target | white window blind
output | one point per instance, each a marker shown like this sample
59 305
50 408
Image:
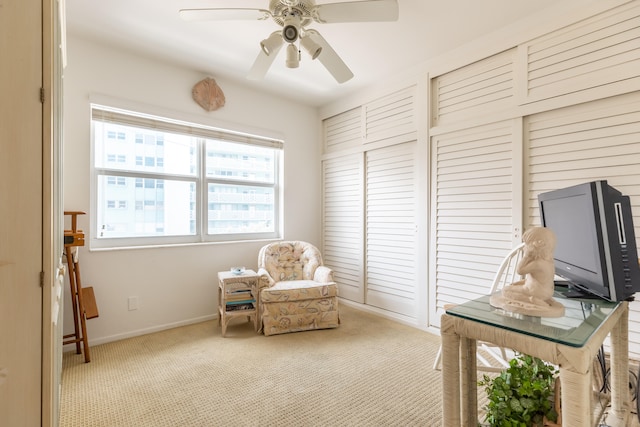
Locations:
145 121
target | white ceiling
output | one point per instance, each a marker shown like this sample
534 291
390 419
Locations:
425 29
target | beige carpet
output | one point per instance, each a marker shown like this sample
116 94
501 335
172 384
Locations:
368 372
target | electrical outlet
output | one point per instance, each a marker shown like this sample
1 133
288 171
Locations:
133 303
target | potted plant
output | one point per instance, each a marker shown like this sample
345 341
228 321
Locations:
522 395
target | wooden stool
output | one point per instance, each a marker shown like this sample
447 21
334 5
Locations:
83 300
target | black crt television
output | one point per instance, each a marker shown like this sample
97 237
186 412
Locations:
596 244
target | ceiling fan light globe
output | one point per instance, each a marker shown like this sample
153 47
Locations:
293 56
271 44
290 33
312 48
291 29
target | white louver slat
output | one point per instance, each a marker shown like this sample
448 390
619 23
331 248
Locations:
598 140
391 117
601 50
343 130
391 240
477 89
343 223
473 211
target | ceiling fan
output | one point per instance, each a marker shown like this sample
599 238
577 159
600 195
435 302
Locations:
294 16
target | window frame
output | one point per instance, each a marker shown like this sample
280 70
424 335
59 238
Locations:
133 117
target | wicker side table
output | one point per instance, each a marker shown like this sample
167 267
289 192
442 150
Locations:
247 283
460 330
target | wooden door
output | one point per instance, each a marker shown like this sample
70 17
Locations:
21 212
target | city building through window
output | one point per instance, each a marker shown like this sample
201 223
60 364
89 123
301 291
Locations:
159 181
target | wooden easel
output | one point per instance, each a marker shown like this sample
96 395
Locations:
83 300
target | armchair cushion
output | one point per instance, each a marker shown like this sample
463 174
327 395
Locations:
292 260
297 290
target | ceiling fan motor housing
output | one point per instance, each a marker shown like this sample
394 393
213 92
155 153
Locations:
280 10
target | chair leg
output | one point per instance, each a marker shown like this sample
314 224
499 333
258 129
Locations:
436 364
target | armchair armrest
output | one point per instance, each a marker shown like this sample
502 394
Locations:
266 281
323 274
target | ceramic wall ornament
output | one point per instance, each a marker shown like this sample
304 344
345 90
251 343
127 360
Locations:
208 94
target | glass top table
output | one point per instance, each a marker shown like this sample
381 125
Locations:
571 342
581 319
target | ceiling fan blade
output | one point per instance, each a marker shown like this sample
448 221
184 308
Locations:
224 14
356 11
262 64
330 59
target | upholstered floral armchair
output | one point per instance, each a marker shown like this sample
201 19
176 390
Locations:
298 292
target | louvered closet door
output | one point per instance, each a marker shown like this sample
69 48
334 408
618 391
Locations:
391 244
601 50
598 140
391 117
474 201
343 223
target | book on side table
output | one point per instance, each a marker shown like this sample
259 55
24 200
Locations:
237 296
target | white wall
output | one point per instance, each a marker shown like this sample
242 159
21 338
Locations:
174 285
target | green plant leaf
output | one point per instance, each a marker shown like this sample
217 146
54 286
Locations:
520 395
515 405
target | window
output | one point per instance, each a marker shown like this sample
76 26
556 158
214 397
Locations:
189 183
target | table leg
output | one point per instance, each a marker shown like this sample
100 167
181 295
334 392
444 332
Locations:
469 378
620 365
220 304
576 398
74 302
450 373
256 297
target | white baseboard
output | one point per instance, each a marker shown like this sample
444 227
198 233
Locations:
405 320
145 331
